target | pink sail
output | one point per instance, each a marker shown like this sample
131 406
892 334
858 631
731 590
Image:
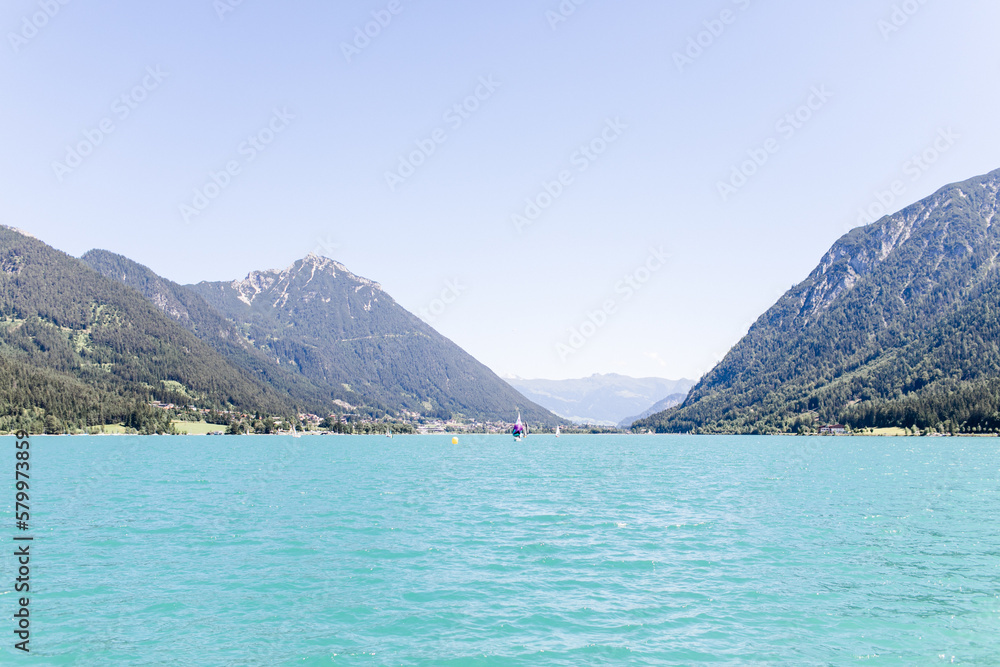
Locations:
518 426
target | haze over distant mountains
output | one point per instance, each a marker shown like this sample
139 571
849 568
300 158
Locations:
93 340
899 325
661 405
601 399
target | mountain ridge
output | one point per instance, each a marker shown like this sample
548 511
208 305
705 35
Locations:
325 336
98 339
64 326
897 314
338 328
195 314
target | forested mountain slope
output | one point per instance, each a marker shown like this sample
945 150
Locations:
897 326
341 330
96 351
228 338
94 340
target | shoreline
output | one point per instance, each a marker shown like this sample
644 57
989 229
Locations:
470 434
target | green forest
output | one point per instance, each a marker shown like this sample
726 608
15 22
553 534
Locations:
97 341
897 327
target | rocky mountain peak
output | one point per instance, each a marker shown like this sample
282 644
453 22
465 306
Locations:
315 263
923 228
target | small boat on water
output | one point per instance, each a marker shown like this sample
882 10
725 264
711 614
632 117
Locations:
557 430
388 432
520 430
294 433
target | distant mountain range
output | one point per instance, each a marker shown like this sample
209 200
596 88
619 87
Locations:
600 399
94 340
899 326
668 402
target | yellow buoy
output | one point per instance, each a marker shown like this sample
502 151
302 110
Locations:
454 441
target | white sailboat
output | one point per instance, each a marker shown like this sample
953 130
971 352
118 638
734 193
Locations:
557 430
295 434
388 432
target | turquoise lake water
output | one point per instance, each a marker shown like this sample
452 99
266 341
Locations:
582 550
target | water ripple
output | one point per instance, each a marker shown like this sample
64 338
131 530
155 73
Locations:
587 550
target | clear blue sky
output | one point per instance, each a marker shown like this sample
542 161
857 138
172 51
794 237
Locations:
668 131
